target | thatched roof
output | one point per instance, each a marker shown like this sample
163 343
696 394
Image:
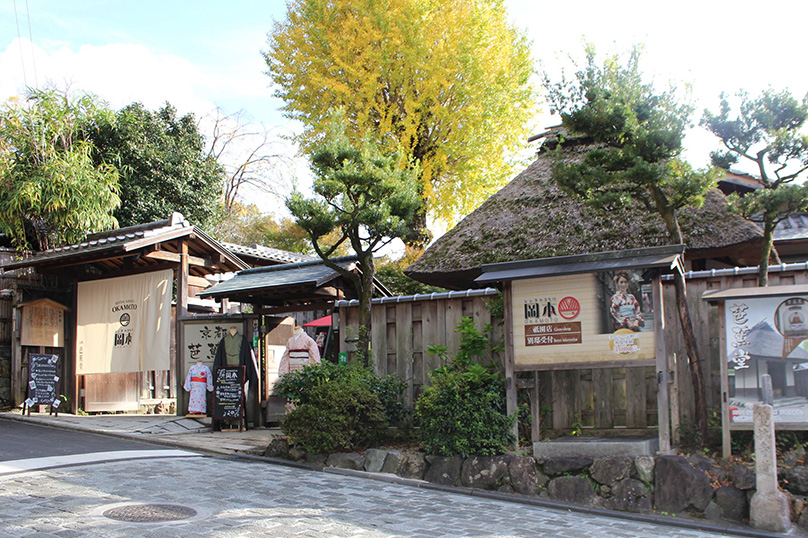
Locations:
532 218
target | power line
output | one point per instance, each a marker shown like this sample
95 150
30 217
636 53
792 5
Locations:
19 39
31 40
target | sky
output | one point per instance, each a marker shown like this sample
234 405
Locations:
201 54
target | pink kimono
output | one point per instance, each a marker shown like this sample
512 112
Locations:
301 350
197 382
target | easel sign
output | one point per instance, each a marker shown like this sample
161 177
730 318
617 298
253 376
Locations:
43 383
228 396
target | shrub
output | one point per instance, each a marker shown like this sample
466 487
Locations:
342 414
298 386
463 411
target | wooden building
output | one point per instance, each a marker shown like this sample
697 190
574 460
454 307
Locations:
183 253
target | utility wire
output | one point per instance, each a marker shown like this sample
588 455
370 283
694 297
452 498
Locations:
31 40
19 39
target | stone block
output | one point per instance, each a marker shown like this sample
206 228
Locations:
346 460
555 466
572 489
679 486
485 472
525 476
374 460
444 470
609 471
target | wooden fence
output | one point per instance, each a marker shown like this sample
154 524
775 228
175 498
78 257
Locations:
604 399
403 328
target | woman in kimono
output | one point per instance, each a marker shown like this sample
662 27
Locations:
624 307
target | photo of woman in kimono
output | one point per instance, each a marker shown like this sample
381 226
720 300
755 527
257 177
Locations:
624 307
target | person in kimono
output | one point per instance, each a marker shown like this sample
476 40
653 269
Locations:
300 351
198 383
624 307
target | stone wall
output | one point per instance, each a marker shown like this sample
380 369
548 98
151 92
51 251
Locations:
667 484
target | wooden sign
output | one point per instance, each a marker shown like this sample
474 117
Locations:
43 382
43 323
228 395
568 321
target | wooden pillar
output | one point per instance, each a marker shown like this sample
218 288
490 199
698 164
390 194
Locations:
180 312
663 410
726 437
510 364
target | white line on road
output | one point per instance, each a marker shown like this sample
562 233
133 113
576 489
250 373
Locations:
34 464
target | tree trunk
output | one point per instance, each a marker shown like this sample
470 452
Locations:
696 371
682 308
418 236
765 252
365 307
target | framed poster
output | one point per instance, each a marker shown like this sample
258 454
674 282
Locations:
767 335
590 318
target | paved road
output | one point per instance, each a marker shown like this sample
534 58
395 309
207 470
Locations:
19 440
233 498
25 447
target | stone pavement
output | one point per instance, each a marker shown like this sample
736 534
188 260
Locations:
225 497
253 496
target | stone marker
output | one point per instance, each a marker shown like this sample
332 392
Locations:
769 509
766 388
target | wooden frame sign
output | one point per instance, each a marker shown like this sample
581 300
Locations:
599 319
43 383
229 402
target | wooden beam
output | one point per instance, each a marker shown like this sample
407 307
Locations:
293 308
198 281
162 255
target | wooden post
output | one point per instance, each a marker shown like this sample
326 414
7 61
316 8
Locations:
535 409
663 411
726 436
180 312
510 374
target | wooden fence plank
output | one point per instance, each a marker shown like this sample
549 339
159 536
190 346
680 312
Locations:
636 416
404 348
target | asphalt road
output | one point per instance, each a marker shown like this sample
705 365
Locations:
19 440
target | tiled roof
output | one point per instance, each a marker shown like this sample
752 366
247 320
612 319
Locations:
313 273
126 240
268 253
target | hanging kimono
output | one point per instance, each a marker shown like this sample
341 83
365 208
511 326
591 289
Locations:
197 382
301 350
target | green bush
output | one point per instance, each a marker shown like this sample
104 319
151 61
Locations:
298 386
463 411
340 415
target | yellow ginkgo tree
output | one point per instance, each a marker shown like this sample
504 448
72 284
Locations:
447 81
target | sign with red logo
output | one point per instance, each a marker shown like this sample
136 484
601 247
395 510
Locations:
569 307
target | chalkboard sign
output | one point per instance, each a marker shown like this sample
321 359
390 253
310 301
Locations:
43 381
228 394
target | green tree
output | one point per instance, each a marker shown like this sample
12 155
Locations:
446 80
51 191
164 166
638 133
370 198
247 225
391 273
765 131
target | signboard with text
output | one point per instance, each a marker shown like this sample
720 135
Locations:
584 318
